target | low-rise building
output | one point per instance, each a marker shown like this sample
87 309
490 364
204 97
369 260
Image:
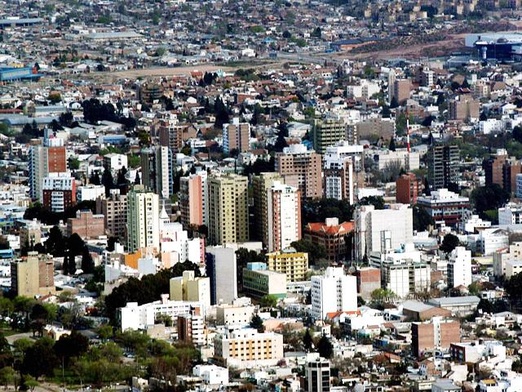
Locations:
258 281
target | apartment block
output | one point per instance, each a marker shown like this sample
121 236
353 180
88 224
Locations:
191 288
333 292
284 216
261 185
227 209
192 200
142 219
408 188
443 166
332 235
58 192
435 334
258 281
301 168
236 136
114 210
327 132
33 275
289 262
86 225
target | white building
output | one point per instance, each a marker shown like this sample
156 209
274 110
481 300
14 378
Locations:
459 267
502 256
381 230
59 187
318 375
284 216
175 240
211 375
333 292
134 316
492 240
403 158
341 164
90 192
247 347
404 277
234 314
511 214
222 271
115 162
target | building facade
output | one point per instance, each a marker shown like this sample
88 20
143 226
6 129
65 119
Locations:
114 210
301 168
289 262
227 209
284 216
443 166
333 292
86 225
142 219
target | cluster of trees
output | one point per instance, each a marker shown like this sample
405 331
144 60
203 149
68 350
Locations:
146 290
318 210
487 199
107 180
47 217
95 111
66 247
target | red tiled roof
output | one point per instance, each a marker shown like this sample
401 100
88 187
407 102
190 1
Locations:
322 228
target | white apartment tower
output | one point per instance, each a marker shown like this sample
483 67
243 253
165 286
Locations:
284 216
382 230
343 171
142 219
333 292
459 267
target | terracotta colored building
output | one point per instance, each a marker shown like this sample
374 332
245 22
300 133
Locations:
332 235
368 280
86 225
432 335
409 187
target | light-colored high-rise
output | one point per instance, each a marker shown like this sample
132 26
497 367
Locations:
236 136
333 292
51 157
459 267
261 184
142 219
227 209
381 230
284 216
191 288
301 168
293 264
343 171
221 265
33 275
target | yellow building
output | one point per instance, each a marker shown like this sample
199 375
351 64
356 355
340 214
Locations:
293 264
33 275
227 209
191 288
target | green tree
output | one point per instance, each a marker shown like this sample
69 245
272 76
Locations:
489 197
325 347
40 359
257 323
315 252
268 301
308 342
422 220
449 242
7 375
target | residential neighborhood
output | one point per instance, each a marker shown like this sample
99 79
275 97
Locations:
242 196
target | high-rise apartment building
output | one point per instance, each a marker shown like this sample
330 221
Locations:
501 169
284 216
50 157
408 188
261 184
464 107
33 275
236 136
192 199
333 292
318 375
343 171
157 169
381 230
443 166
301 168
227 209
142 219
58 192
459 267
221 266
191 288
114 210
401 90
327 132
288 261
